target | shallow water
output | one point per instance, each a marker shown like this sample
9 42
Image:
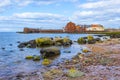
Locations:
12 60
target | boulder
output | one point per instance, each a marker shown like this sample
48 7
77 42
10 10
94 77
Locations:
29 57
58 44
36 58
64 41
97 39
67 41
91 41
29 44
46 41
58 40
49 52
43 42
46 62
81 41
22 45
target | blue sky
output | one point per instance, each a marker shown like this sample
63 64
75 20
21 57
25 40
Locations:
54 14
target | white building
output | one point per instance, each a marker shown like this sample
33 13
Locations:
95 27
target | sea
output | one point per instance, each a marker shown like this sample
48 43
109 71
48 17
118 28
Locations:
12 59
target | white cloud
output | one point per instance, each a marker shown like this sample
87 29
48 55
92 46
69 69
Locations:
115 19
85 13
101 4
40 2
106 12
36 19
24 3
4 3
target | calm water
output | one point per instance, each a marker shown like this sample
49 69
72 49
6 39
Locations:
14 62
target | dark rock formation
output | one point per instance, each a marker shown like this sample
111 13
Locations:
49 52
40 42
29 44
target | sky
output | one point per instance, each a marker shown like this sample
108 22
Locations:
55 14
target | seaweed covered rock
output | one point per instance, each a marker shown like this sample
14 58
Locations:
34 57
49 52
85 50
29 57
46 41
90 39
46 62
113 34
58 40
67 41
62 41
43 42
81 41
75 73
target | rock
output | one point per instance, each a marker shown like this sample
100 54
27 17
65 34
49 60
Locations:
67 51
29 44
91 41
67 41
85 50
58 44
81 41
75 73
97 39
40 42
90 38
99 35
36 58
75 41
49 52
29 57
22 45
84 37
46 62
58 40
43 42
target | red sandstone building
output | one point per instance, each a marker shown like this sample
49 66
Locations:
70 27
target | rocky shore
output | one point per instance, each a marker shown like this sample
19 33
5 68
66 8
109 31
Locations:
101 62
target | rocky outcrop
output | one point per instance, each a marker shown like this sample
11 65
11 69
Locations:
29 44
89 39
40 42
